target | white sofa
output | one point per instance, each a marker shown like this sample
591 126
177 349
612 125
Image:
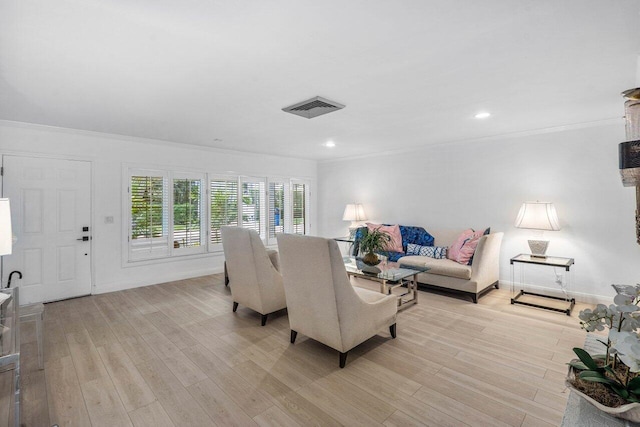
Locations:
473 279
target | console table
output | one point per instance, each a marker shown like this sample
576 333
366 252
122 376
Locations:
517 288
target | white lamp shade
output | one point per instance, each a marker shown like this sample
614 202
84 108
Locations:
538 216
354 212
5 227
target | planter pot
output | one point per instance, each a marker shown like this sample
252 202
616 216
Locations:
371 259
629 412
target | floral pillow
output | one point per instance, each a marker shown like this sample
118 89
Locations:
395 245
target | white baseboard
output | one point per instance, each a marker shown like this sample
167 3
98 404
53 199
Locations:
178 275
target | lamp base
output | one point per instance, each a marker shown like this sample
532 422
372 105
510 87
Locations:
538 248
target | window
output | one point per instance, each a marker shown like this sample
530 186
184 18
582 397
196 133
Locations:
175 213
253 205
224 207
279 210
187 213
149 225
300 221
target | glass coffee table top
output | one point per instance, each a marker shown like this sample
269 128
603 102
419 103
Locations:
390 271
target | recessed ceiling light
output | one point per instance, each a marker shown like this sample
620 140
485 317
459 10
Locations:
482 115
329 144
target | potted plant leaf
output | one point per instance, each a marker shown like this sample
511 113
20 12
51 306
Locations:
611 381
371 242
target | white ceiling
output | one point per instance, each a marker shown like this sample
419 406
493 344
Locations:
413 72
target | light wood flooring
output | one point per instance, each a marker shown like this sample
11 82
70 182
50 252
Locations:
175 355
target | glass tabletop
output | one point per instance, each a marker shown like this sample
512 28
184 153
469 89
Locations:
390 271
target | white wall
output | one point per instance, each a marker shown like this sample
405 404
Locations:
483 183
108 154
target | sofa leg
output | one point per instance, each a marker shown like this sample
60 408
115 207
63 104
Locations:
497 285
294 334
475 298
264 319
392 330
343 359
235 306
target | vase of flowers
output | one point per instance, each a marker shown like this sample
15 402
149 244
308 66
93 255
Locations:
611 381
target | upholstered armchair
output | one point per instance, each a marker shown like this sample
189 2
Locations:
254 279
321 302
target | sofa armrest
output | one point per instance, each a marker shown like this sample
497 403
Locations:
485 269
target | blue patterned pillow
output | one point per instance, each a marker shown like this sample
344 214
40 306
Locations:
437 252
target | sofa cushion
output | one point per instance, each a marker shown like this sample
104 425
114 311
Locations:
454 250
393 231
442 267
465 254
415 235
437 252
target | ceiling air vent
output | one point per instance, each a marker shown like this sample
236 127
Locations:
313 107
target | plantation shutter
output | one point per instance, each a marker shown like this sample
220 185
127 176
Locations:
279 209
224 207
188 213
253 205
149 214
299 195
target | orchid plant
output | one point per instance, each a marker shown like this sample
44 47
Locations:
622 318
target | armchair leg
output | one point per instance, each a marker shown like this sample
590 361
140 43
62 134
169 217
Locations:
392 330
235 306
264 319
294 334
343 359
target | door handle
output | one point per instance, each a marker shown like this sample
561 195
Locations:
84 239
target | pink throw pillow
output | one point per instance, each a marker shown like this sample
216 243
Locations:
395 245
454 249
469 247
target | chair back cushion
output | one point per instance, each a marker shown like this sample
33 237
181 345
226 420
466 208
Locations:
253 279
314 280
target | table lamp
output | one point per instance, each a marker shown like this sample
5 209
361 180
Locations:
354 212
538 216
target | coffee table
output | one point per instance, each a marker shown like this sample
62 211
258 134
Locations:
391 276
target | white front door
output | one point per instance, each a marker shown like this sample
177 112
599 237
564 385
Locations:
50 214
